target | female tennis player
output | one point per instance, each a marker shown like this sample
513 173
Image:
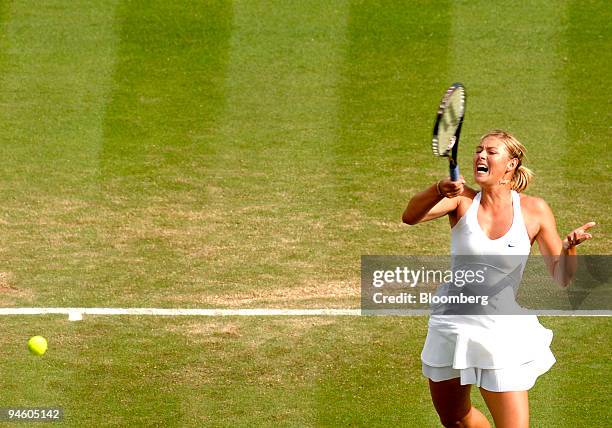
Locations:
502 355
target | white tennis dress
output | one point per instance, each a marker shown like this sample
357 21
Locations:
496 352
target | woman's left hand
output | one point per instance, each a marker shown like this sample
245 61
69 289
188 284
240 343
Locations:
578 236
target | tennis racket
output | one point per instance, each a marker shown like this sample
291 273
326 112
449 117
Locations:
447 128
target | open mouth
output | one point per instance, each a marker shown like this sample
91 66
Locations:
482 168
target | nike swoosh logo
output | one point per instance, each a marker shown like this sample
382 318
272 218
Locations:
511 245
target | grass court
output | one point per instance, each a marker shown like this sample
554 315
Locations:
245 154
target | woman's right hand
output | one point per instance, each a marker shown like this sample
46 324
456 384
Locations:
437 200
451 189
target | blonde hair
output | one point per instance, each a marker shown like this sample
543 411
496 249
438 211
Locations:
522 175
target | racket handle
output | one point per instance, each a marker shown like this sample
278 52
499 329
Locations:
454 173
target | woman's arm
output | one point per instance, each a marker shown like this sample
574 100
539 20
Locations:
435 201
558 254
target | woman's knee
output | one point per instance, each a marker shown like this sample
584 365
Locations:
473 418
456 421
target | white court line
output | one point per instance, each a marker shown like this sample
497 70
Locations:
76 314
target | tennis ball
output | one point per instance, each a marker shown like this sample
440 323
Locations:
37 345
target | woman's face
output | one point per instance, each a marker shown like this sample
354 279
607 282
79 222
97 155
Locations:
491 161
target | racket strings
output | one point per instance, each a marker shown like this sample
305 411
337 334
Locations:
450 114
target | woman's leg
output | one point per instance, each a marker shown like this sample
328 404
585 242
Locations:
452 402
509 409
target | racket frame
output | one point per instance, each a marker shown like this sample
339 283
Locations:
451 150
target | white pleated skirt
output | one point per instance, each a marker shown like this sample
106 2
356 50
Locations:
521 378
504 354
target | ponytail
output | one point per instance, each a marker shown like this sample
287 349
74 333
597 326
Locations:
521 178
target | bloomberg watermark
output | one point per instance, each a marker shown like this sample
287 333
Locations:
485 285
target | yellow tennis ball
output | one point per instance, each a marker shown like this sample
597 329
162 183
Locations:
37 345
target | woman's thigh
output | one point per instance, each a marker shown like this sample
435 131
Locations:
509 409
451 399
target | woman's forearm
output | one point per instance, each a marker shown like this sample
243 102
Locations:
421 204
566 265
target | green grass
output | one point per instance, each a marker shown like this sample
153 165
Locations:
240 371
246 154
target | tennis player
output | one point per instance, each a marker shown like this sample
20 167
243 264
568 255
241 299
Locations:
502 355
